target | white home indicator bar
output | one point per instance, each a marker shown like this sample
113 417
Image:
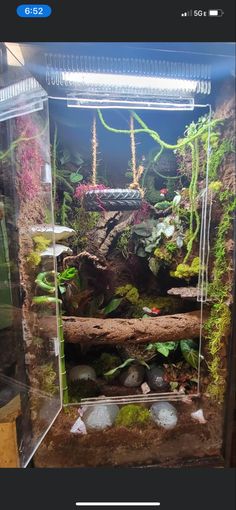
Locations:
120 504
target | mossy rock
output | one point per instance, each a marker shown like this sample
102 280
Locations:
132 415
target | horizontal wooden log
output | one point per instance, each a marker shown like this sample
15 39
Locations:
165 328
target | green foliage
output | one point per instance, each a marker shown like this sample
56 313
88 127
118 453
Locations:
123 242
119 367
65 207
129 292
162 205
215 186
218 323
163 348
105 363
132 415
66 276
163 254
171 247
217 155
186 271
41 243
33 259
75 177
190 352
82 222
47 379
112 306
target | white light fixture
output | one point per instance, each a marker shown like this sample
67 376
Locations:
124 104
130 82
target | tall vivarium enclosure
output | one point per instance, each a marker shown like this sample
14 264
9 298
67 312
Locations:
117 205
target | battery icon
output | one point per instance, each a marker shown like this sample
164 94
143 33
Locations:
215 12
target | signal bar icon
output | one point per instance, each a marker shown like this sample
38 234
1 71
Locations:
187 13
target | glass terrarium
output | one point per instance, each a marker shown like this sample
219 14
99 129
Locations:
125 250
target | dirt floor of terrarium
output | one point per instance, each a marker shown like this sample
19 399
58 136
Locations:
189 443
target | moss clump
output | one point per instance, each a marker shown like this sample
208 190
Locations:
47 379
82 223
132 415
215 186
123 242
105 363
84 388
129 292
41 243
186 271
163 255
33 259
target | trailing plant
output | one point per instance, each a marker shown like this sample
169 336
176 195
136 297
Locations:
163 348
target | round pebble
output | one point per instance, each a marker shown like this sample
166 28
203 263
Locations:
100 416
155 378
133 376
82 372
164 415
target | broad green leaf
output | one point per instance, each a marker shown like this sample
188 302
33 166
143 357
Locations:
190 352
125 364
113 305
165 347
154 265
75 177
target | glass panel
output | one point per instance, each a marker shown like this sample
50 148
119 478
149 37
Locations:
29 366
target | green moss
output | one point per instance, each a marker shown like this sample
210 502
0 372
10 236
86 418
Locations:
83 222
47 379
215 186
41 243
129 292
217 326
34 259
132 415
163 255
84 388
186 271
123 242
217 156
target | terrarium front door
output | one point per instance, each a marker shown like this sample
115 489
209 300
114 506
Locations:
30 394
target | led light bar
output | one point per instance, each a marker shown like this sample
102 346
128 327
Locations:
147 104
117 81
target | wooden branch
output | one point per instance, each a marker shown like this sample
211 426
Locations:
166 328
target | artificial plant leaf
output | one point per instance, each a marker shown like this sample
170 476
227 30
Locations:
169 230
76 177
179 242
125 364
176 199
144 229
62 289
190 352
165 347
154 265
146 316
141 252
112 305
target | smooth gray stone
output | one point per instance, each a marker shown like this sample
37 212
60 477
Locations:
133 376
155 378
164 415
100 416
82 372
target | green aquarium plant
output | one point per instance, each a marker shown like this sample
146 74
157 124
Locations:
186 271
132 415
163 348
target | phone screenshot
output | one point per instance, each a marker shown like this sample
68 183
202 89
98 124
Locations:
117 256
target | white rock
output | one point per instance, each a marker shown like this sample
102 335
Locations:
78 427
198 416
82 372
48 231
164 415
59 249
100 416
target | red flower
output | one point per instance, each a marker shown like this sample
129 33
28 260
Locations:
157 311
164 191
